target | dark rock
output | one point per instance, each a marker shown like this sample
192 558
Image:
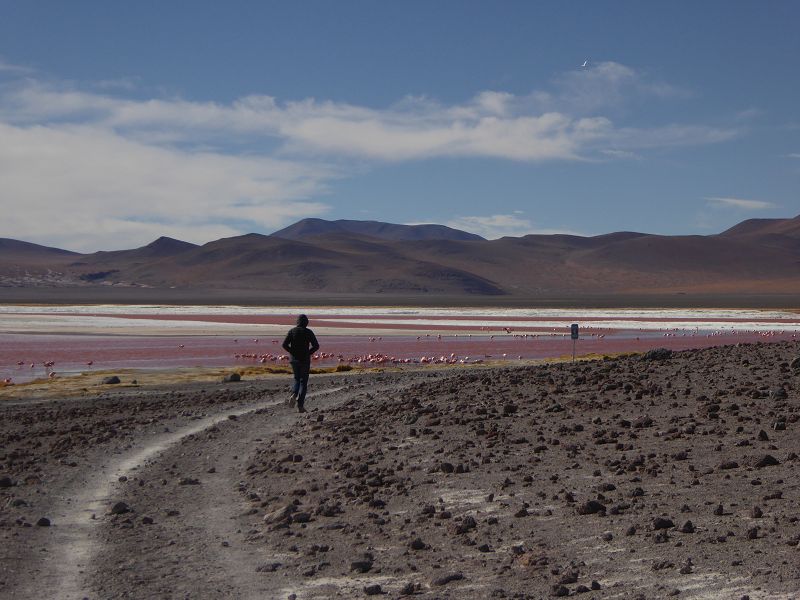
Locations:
591 507
795 364
301 517
408 589
147 520
120 508
188 481
362 566
417 544
232 378
719 510
729 464
569 577
687 527
468 523
43 522
662 523
447 467
113 380
560 590
756 512
445 579
766 461
373 590
6 482
657 354
778 394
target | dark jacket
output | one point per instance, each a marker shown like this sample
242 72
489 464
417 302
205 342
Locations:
301 343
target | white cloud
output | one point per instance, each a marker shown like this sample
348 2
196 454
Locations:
86 188
87 170
740 203
793 155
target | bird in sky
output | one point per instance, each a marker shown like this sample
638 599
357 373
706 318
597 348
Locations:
585 64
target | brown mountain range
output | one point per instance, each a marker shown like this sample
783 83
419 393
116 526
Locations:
373 260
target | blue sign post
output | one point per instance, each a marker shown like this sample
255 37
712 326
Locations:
574 332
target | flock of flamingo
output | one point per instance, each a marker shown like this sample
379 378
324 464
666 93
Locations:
379 358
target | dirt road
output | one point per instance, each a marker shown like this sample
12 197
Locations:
674 475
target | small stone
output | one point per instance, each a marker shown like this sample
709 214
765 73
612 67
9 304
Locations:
688 527
112 380
662 523
445 579
120 508
752 533
188 481
373 590
756 512
766 461
719 510
5 482
147 520
301 517
560 590
417 544
569 577
43 522
591 507
362 566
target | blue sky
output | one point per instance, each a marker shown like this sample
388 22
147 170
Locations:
121 122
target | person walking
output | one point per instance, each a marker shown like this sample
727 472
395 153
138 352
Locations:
300 343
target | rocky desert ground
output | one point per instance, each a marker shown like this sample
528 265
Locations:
670 474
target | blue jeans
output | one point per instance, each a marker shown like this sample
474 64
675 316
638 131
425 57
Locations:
300 370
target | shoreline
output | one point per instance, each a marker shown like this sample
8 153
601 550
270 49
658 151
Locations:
216 297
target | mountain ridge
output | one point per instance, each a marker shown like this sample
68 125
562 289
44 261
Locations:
752 257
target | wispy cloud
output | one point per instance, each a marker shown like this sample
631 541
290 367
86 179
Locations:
14 69
496 226
493 226
621 154
793 155
739 203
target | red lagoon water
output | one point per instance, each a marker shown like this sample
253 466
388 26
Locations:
23 357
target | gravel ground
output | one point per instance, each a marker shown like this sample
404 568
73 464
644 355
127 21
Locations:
655 476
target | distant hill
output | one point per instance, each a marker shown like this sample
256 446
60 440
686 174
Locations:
308 228
760 227
317 258
9 249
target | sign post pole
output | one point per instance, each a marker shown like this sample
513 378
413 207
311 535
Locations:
574 334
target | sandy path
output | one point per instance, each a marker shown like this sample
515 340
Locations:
83 511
